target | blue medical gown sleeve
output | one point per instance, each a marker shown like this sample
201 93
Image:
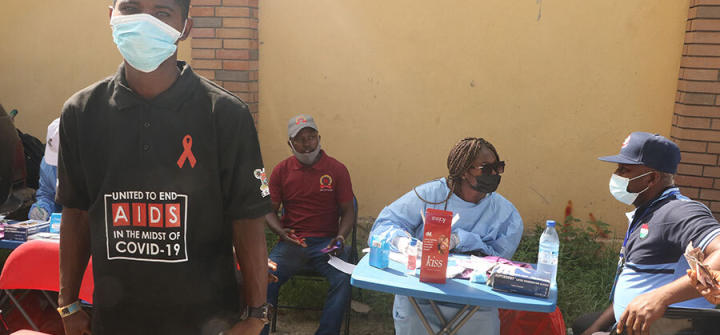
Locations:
498 238
403 215
45 196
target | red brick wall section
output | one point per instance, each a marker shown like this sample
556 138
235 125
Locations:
696 121
224 43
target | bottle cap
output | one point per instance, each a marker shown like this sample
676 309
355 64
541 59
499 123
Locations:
413 242
550 223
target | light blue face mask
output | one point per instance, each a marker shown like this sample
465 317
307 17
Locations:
143 40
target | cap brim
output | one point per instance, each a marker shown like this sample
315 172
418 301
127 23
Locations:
619 160
51 156
298 130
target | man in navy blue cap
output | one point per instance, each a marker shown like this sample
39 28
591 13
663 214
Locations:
651 270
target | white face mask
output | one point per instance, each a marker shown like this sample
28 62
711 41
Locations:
144 41
308 158
618 188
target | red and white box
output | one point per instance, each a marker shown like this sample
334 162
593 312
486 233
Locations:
436 246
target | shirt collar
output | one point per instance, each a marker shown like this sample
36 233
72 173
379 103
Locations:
321 164
661 197
652 202
172 98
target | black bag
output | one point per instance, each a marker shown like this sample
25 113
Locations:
34 153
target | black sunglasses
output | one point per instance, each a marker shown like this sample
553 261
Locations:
487 168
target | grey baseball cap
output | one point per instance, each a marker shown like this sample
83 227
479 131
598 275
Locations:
299 122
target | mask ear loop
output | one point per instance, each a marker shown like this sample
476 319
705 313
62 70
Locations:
184 27
642 175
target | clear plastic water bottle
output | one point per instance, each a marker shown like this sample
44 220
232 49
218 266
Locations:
549 252
412 256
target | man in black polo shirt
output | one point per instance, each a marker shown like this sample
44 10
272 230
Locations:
651 272
157 175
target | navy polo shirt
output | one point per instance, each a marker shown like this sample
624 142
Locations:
162 181
661 230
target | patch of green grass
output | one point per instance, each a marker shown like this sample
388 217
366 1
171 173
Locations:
586 268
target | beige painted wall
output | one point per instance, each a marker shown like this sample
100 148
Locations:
394 84
51 49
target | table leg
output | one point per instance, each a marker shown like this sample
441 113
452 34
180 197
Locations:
447 325
51 301
7 296
4 298
464 320
437 312
421 316
22 311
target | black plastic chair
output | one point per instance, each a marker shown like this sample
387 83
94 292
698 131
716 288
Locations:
309 273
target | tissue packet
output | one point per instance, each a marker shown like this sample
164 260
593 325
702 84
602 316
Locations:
55 222
379 252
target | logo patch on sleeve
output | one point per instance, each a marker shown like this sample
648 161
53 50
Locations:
146 226
264 188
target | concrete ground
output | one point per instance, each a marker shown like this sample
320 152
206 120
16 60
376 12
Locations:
292 322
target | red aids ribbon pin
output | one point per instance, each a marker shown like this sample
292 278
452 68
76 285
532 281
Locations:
187 153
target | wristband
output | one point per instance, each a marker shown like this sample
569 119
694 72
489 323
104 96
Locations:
69 309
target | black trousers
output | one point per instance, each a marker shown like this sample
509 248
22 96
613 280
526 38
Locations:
583 322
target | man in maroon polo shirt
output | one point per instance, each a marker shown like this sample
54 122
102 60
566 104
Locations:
316 193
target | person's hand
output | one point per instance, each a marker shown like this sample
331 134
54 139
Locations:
454 241
339 239
711 294
272 266
640 314
249 326
38 213
289 235
402 244
77 324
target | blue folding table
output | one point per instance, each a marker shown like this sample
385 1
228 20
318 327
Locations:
10 244
460 291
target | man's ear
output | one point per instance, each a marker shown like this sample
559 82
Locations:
110 11
655 178
188 28
290 144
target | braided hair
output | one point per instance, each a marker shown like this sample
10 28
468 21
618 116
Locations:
459 161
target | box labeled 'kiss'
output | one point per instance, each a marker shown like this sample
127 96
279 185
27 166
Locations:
436 246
